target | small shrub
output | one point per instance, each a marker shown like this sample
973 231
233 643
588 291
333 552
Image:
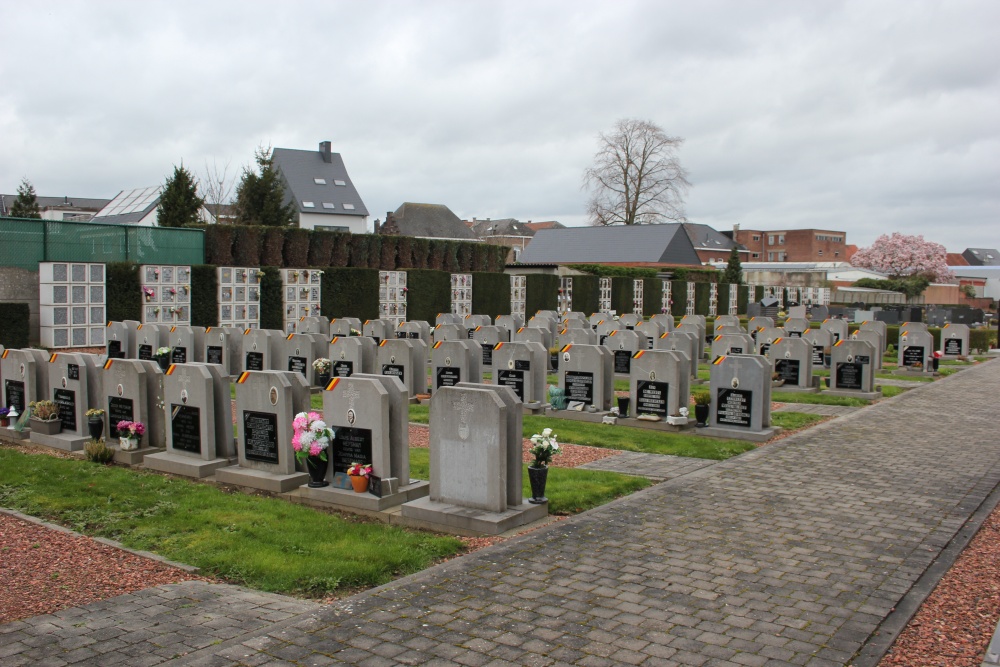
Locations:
701 398
98 451
45 410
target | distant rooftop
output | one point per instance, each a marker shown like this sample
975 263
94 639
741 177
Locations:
130 205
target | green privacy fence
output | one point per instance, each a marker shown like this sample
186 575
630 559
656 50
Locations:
25 243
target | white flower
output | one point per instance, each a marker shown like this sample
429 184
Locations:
318 425
546 433
307 438
555 446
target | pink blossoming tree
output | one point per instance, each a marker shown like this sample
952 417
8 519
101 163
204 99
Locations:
900 255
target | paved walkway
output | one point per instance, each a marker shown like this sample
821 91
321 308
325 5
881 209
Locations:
793 554
659 467
817 409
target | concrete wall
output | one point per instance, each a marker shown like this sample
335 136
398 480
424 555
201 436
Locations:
786 278
21 286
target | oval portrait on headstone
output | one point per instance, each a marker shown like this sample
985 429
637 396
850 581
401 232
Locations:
392 359
64 383
788 354
447 361
735 383
297 353
254 346
22 371
566 357
652 375
273 395
184 396
121 390
350 417
510 363
343 355
850 358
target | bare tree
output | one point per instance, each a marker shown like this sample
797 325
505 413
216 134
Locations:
217 188
637 177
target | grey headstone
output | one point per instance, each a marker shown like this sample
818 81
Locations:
448 318
186 344
69 389
877 342
726 320
296 355
821 341
837 328
797 312
266 403
586 374
698 332
473 321
533 334
660 382
629 320
314 325
604 327
399 425
357 409
146 341
259 349
955 340
349 355
916 349
792 361
623 344
21 383
740 387
759 321
455 361
378 330
728 343
400 358
665 319
510 322
513 447
796 326
651 329
450 331
876 325
766 337
223 346
117 340
488 337
680 341
342 326
819 313
852 367
522 367
197 412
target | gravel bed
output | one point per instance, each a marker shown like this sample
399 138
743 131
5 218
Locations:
45 570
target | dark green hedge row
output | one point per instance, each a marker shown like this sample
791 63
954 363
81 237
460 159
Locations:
348 292
14 330
242 245
490 294
678 293
702 297
652 296
428 293
272 315
123 291
621 295
696 275
605 271
743 299
542 293
586 294
722 305
204 297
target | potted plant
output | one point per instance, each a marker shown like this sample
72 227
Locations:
95 423
45 418
776 380
543 447
702 401
310 440
129 434
359 474
162 357
4 417
554 358
321 367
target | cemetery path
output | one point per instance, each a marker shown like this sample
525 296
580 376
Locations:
797 553
658 467
817 409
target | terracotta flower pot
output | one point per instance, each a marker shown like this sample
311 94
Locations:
360 483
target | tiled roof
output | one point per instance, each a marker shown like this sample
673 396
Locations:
430 221
309 179
656 244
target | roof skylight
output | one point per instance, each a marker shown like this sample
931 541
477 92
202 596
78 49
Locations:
308 204
349 207
340 182
319 181
327 204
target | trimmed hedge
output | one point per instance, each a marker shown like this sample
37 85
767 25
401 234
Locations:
722 305
124 291
218 244
296 250
429 293
272 314
491 294
14 328
273 249
696 275
204 296
702 297
350 292
742 299
387 254
605 271
621 295
247 245
679 294
542 293
421 249
652 296
341 253
321 248
586 294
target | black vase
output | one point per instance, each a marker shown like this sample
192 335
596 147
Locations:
96 427
701 414
323 379
537 478
624 402
316 467
554 362
164 362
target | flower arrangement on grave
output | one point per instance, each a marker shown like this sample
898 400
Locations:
304 292
186 288
355 332
544 446
316 307
148 292
177 310
4 416
321 365
95 412
156 272
359 470
45 411
305 275
260 275
162 352
129 433
173 290
156 310
311 438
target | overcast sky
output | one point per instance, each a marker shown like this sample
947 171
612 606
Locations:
869 117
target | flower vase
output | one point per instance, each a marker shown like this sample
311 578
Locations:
360 483
96 427
124 443
701 414
323 378
537 477
164 362
316 466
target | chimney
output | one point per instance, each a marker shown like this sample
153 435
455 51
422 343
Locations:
736 226
326 151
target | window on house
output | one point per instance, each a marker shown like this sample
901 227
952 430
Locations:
327 204
756 255
308 204
756 237
349 207
770 256
770 239
319 181
781 257
781 239
820 253
339 183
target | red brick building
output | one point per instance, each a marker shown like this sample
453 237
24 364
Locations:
793 245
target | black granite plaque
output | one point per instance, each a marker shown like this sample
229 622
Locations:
145 352
213 354
513 379
522 365
794 334
817 355
14 395
579 386
862 358
913 356
623 361
447 376
849 376
787 370
836 337
764 348
343 369
351 445
72 371
734 407
394 370
179 355
119 409
487 354
415 334
260 432
601 339
375 485
735 350
66 400
400 334
376 339
298 365
255 361
953 346
472 333
651 397
115 350
185 426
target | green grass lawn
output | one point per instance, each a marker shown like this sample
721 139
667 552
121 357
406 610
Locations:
890 391
817 399
794 420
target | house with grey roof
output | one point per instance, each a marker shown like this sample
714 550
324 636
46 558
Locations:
138 208
505 231
711 245
76 209
634 245
317 183
427 221
982 256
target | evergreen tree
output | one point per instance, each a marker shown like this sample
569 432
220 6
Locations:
733 275
26 203
260 196
180 204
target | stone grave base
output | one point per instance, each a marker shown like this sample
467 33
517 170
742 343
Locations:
791 388
852 393
134 457
739 433
536 408
661 425
581 416
258 479
185 466
448 518
9 432
905 373
332 497
68 442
